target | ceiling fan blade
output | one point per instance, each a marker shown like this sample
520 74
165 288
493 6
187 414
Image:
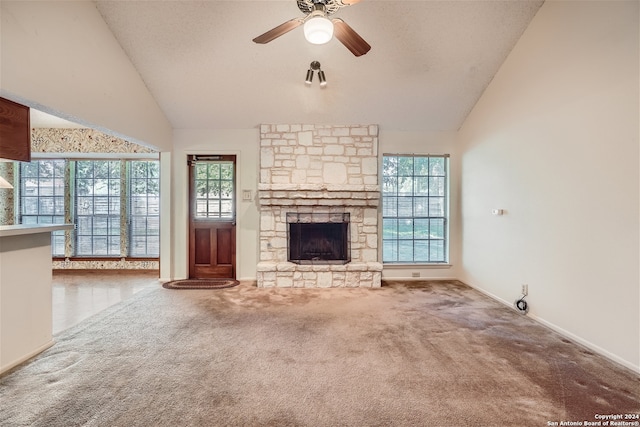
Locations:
278 31
348 37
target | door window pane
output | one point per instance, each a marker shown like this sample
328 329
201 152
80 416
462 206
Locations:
214 188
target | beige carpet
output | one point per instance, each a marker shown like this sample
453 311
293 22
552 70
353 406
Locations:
432 355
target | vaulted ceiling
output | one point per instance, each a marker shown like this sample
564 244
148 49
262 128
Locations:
430 60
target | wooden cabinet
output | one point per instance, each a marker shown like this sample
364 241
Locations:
15 131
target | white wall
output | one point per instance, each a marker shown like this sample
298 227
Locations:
244 144
166 230
60 57
406 142
554 142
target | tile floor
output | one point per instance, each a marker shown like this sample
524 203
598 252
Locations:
80 294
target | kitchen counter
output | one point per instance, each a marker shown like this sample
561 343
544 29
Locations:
25 291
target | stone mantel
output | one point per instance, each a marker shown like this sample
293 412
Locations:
318 187
318 195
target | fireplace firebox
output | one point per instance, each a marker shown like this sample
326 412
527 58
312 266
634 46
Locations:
318 238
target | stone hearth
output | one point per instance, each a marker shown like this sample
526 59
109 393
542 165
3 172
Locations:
319 171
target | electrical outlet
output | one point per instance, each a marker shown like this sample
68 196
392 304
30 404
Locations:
525 290
415 274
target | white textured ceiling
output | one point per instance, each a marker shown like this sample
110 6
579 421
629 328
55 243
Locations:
430 60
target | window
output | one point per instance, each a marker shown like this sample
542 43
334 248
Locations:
42 197
214 189
144 209
98 195
97 203
414 209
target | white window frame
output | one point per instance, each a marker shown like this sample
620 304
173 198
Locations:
415 218
69 238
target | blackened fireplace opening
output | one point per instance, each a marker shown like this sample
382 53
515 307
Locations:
318 241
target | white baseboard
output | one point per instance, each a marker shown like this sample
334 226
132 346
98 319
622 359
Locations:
587 344
566 334
418 279
26 357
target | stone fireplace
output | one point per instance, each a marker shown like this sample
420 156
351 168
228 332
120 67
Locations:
319 192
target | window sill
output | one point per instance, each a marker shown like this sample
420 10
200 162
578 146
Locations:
401 266
59 258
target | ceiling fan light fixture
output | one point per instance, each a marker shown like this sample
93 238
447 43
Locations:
318 30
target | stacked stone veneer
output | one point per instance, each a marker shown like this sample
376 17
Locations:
319 170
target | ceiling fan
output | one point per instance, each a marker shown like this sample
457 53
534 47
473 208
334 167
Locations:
319 29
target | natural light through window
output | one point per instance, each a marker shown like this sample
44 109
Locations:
144 208
42 197
114 203
214 189
97 187
414 208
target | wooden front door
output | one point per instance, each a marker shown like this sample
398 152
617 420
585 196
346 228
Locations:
212 217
